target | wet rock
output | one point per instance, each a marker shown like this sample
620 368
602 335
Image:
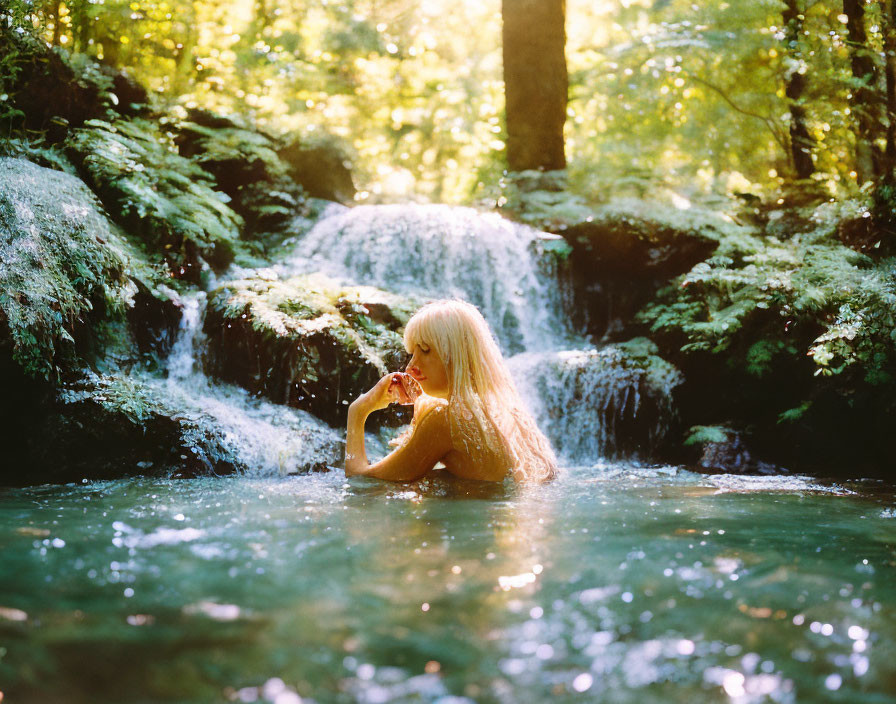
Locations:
244 163
321 166
722 449
55 90
108 427
62 266
625 251
154 317
614 401
305 341
156 195
104 426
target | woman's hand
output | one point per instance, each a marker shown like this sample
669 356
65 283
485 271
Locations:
387 390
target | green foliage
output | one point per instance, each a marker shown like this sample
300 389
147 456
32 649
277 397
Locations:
10 61
119 394
37 152
643 354
761 300
59 263
662 94
223 145
792 415
693 95
704 434
156 194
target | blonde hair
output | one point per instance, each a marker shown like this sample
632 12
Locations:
487 416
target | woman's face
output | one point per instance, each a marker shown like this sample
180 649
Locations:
427 368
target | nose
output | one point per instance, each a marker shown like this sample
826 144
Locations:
412 370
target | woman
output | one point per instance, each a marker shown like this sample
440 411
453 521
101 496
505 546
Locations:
469 416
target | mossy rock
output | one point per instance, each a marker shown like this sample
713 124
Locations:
646 240
321 165
721 449
624 252
244 164
63 266
103 426
305 341
157 195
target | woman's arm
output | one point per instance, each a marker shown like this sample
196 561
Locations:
429 442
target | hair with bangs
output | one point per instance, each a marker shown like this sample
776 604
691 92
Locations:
486 414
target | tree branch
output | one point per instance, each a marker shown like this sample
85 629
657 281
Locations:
770 123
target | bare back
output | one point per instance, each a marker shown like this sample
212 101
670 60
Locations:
473 455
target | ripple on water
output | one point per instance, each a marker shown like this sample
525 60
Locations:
615 582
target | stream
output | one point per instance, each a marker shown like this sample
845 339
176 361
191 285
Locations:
622 581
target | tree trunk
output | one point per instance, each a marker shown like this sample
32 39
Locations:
57 23
888 26
535 82
865 104
801 140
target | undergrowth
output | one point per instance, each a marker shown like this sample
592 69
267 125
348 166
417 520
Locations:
164 199
806 304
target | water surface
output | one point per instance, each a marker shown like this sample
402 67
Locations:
615 584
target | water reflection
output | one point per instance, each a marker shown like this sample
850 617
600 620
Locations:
616 583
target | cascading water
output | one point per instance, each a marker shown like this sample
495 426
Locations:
226 421
439 251
595 402
592 403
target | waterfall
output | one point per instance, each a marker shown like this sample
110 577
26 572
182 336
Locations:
440 251
596 403
592 403
225 423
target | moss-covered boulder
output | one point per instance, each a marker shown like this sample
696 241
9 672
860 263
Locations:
63 266
102 426
321 165
625 251
305 341
717 448
165 200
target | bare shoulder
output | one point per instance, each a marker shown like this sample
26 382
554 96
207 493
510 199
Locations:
429 405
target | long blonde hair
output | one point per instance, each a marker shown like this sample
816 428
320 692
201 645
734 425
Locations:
487 416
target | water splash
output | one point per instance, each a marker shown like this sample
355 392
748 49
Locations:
227 424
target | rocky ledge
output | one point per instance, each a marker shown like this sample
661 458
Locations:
305 341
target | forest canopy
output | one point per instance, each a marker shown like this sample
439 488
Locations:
696 96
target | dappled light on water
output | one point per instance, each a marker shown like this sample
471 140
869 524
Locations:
618 581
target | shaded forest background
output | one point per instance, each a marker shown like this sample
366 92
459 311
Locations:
698 97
